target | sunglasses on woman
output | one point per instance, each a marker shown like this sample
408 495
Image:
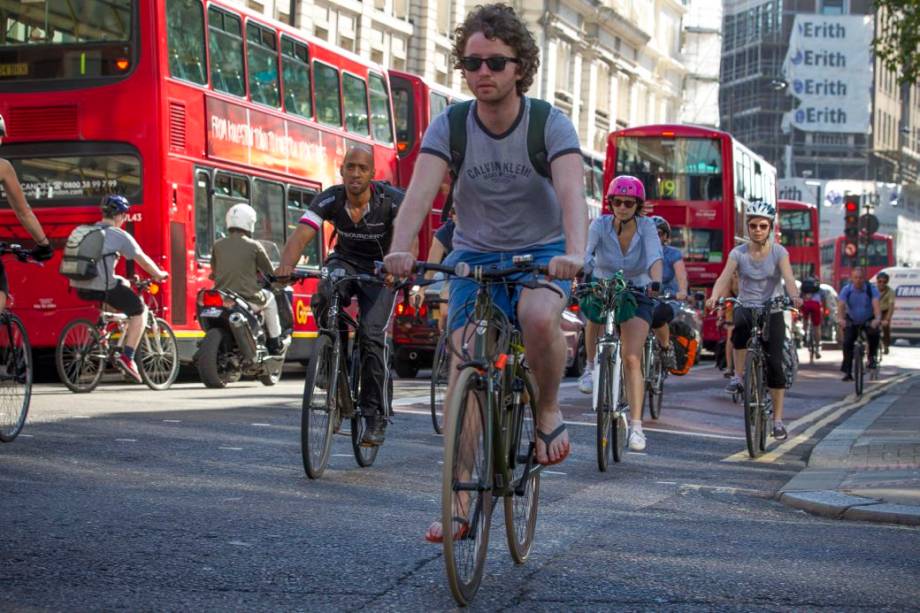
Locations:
621 202
759 226
496 63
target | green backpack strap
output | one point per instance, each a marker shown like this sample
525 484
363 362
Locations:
536 136
456 123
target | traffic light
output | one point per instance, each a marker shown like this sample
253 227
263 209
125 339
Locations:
851 225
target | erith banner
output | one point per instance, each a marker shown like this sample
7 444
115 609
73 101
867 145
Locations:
829 71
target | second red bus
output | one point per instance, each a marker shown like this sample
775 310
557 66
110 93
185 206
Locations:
797 229
836 265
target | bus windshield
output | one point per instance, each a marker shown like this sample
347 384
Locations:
672 168
795 229
60 39
876 255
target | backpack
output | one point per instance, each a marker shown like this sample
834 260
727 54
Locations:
686 346
536 142
83 252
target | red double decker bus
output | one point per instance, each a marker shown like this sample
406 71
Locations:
836 265
187 108
797 229
700 181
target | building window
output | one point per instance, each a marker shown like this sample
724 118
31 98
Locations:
225 35
444 7
185 32
564 72
832 7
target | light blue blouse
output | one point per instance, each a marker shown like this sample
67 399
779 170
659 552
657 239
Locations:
603 257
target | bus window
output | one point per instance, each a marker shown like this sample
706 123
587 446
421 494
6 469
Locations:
263 65
202 215
185 32
405 121
268 201
673 168
228 190
436 105
795 228
225 40
298 201
589 178
355 91
326 87
295 71
698 245
381 122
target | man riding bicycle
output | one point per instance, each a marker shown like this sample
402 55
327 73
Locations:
17 201
857 308
362 212
505 207
114 290
813 306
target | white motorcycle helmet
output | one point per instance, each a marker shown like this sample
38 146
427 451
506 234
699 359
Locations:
242 217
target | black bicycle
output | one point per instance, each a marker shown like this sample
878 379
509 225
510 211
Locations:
860 359
758 406
16 367
333 381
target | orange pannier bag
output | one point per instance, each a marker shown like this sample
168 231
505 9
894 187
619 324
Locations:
686 345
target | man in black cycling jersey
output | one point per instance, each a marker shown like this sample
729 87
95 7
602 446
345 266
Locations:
17 200
362 212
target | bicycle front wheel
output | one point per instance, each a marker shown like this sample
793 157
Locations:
466 490
158 356
619 426
858 368
753 403
655 385
79 356
319 411
604 407
440 371
521 505
15 377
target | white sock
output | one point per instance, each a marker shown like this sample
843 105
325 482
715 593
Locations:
589 365
636 425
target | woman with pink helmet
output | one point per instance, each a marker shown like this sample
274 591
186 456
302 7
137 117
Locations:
628 241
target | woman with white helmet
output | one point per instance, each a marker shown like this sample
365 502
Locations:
762 265
236 262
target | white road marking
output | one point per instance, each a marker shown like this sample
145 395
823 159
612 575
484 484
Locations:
26 436
231 448
239 543
172 421
126 440
666 482
258 425
552 472
341 455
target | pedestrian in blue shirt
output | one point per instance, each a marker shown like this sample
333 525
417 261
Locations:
858 307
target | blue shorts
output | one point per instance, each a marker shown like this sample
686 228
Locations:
463 291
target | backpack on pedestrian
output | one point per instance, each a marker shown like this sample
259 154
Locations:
83 252
536 142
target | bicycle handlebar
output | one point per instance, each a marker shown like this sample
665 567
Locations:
783 301
22 254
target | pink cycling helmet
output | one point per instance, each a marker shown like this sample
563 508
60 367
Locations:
626 185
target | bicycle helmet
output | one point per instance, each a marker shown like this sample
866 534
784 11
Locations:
2 127
662 224
760 208
242 217
626 185
114 204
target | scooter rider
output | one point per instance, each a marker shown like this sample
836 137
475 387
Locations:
362 212
236 262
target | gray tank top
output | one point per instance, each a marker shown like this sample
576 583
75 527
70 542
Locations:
759 280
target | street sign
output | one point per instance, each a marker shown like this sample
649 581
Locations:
868 223
850 250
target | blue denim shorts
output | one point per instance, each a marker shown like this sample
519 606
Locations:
463 291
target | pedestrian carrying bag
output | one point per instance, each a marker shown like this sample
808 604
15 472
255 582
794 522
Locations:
83 252
686 345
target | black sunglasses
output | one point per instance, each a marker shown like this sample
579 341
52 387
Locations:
495 63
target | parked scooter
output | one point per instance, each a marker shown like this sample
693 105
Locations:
234 343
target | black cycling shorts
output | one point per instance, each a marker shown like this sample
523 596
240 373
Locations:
121 298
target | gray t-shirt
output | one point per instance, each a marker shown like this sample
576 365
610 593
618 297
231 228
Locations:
759 281
502 203
117 242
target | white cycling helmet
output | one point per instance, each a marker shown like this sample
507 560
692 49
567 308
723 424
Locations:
242 217
760 208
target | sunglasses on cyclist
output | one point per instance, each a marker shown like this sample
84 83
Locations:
622 202
496 63
759 226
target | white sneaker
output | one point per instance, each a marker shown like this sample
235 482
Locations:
636 440
586 381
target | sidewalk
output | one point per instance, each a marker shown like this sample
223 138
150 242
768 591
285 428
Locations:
868 468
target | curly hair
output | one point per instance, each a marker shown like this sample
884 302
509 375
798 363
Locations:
499 21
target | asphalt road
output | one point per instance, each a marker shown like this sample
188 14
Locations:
195 499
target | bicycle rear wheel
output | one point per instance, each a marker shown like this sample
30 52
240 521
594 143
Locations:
521 506
858 368
158 356
604 407
79 357
319 411
440 371
15 377
466 491
753 403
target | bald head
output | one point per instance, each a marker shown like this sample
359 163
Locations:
357 170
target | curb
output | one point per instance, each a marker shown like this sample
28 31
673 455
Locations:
813 489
